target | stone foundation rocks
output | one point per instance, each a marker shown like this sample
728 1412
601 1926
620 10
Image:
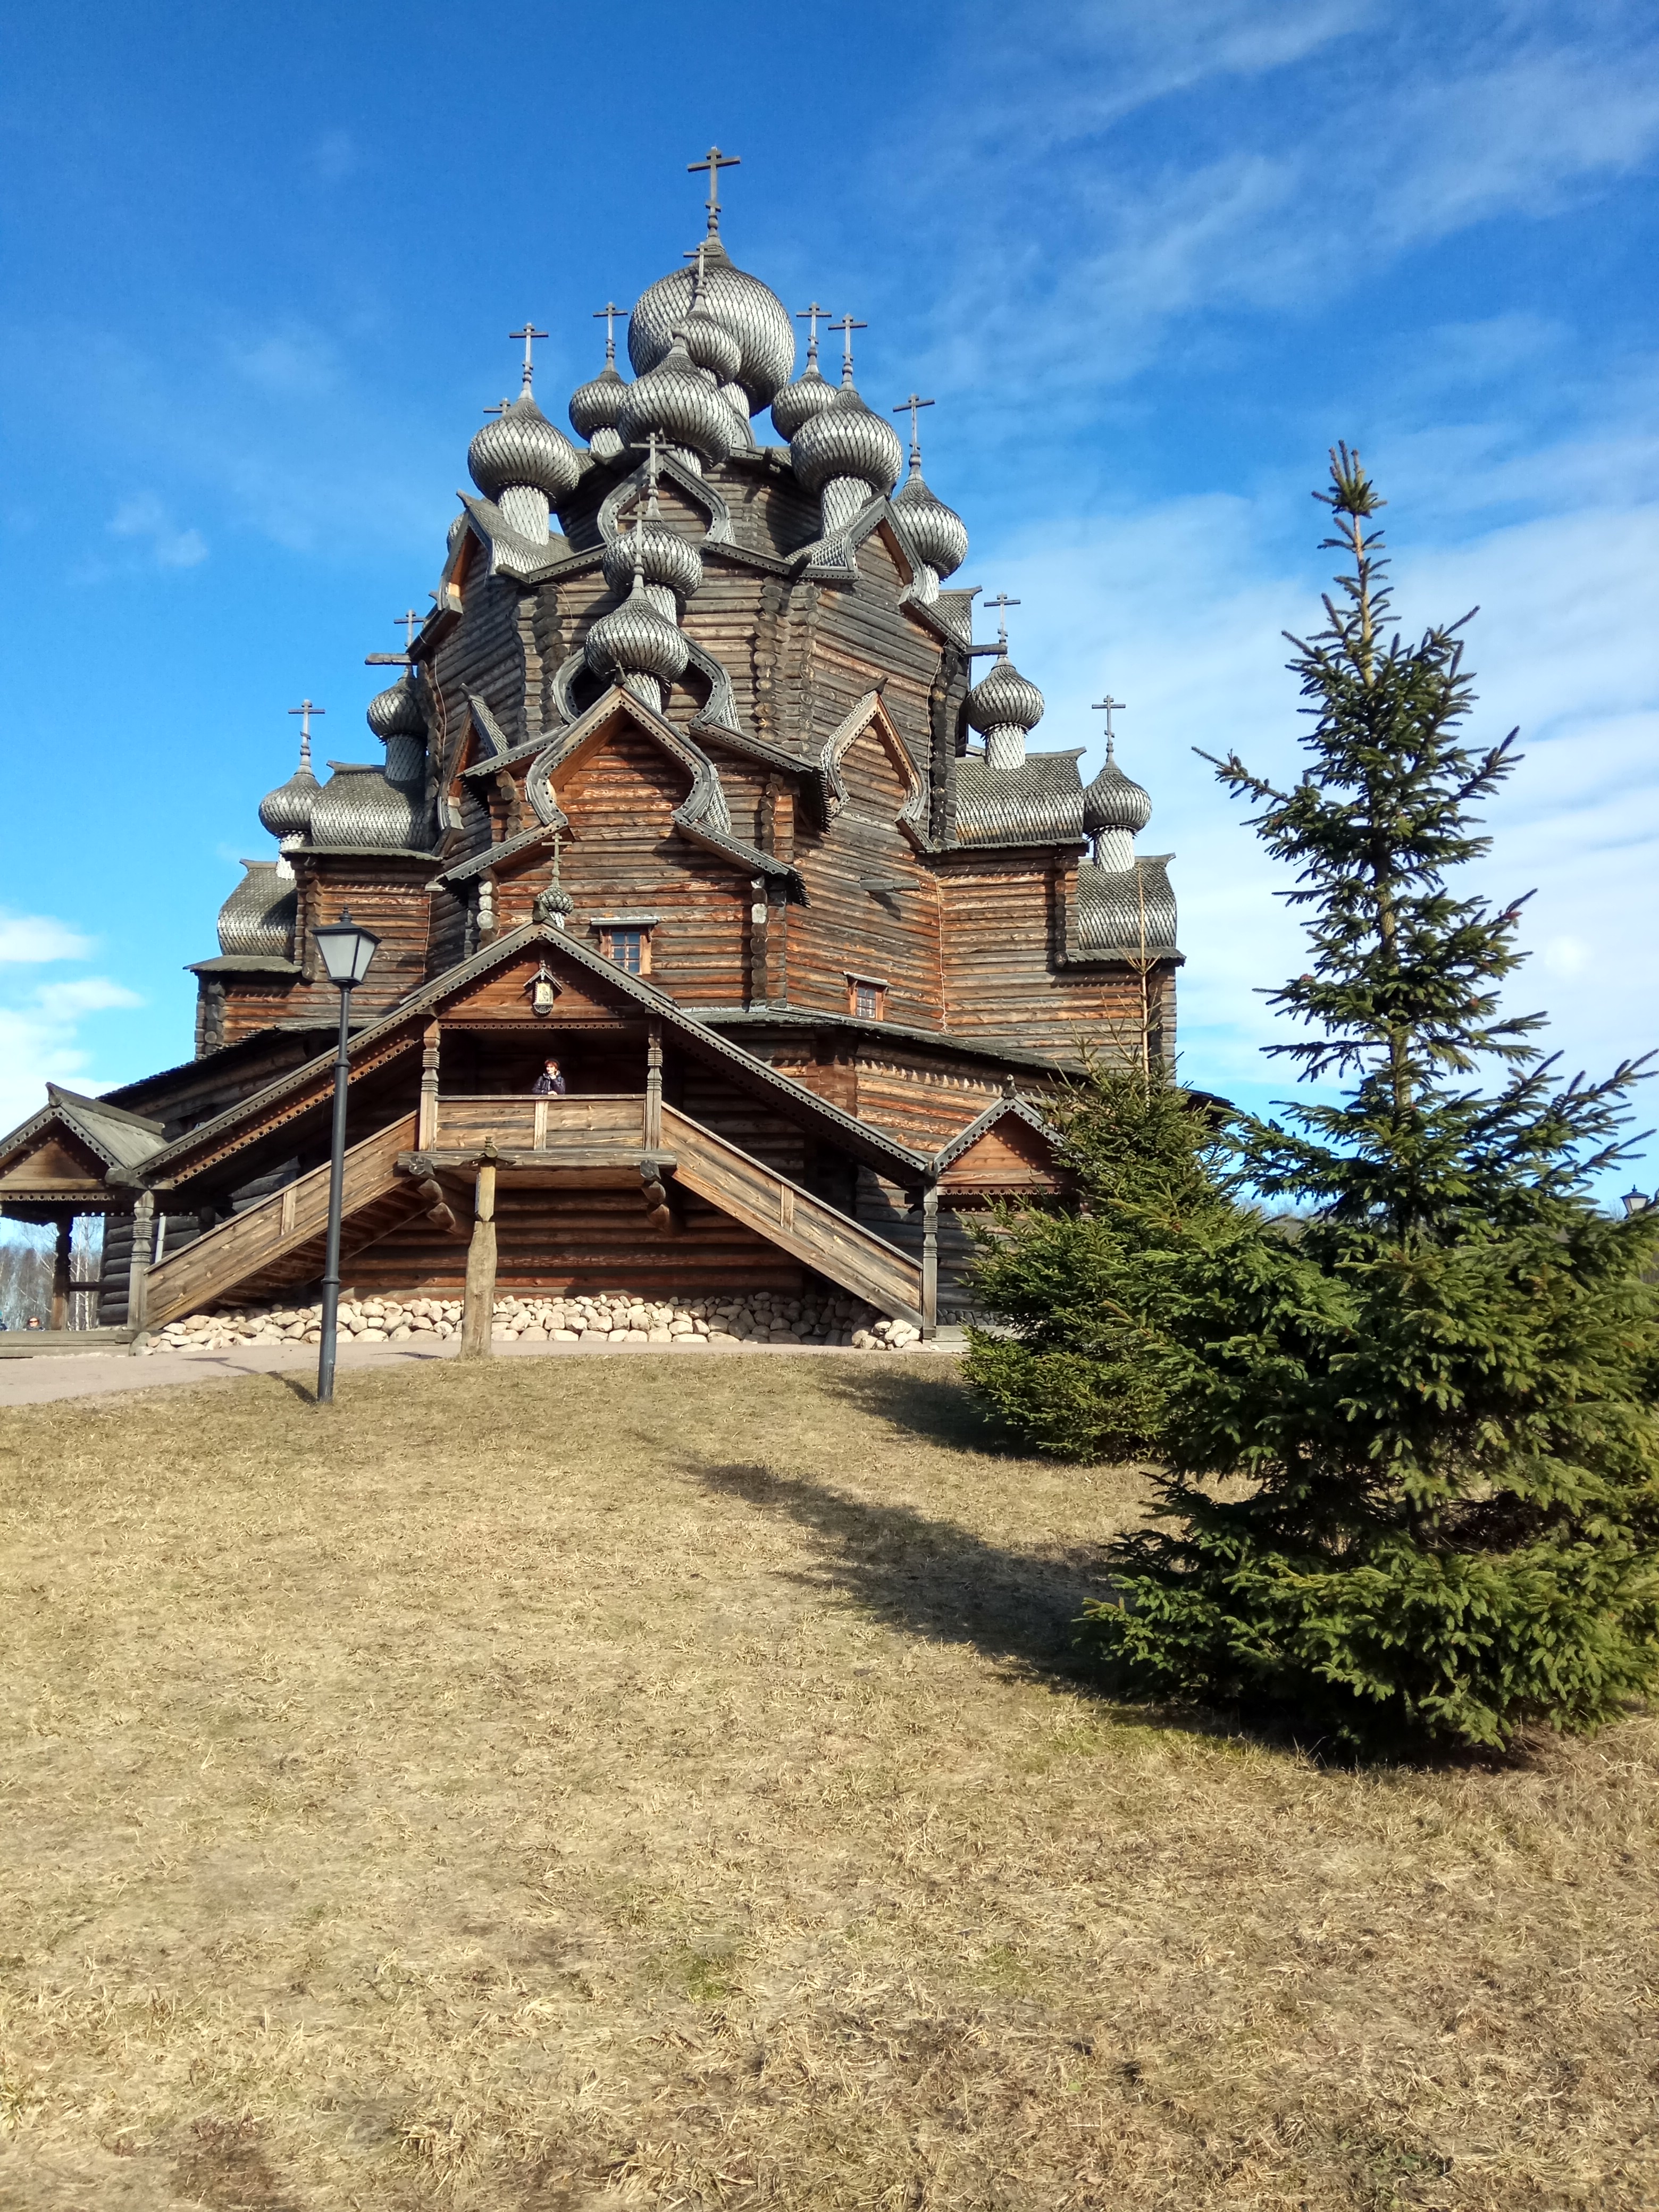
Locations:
613 1318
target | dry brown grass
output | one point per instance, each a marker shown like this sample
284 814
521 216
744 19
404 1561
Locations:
570 1783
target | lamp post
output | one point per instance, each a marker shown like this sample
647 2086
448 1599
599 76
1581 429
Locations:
346 951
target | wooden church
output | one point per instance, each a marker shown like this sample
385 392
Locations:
691 783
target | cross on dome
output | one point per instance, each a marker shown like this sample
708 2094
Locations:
809 315
915 403
528 334
846 326
713 160
1002 602
412 621
305 710
1108 705
607 315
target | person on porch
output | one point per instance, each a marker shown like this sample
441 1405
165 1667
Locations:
550 1083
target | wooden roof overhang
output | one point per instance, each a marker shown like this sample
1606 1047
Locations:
75 1155
201 1153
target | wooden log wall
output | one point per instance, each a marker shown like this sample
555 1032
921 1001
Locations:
1002 933
388 895
881 1207
584 1241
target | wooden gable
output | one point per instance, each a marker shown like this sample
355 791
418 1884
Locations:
53 1161
504 994
1004 1154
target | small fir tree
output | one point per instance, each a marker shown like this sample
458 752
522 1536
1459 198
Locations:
1411 1486
1077 1288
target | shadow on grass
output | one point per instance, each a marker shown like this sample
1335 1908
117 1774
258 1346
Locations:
931 1577
931 1401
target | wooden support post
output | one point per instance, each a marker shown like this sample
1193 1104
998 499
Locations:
478 1315
426 1123
138 1266
60 1271
654 1088
930 1261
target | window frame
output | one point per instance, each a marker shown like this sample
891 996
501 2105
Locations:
876 987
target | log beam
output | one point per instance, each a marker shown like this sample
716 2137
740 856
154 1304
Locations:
478 1314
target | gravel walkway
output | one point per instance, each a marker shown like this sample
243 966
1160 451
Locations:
96 1375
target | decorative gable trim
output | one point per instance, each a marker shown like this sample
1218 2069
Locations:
871 712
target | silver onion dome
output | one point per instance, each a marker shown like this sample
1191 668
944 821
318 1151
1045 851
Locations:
1004 705
711 345
1114 800
846 440
396 712
937 531
522 451
636 647
678 401
594 408
286 811
1114 808
798 403
747 309
358 807
668 563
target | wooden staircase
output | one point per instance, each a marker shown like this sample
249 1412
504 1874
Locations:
258 1251
240 1254
785 1215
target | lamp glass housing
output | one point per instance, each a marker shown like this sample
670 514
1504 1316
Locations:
346 950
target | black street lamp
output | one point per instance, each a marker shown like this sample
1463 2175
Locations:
346 951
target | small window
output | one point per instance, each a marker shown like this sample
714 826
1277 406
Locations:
865 999
630 948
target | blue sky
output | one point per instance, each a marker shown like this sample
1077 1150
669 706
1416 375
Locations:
1150 262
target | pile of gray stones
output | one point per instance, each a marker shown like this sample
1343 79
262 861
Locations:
763 1317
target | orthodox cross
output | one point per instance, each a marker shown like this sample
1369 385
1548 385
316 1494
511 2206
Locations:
915 403
846 326
412 623
305 710
500 409
810 317
1108 705
713 160
1002 602
607 315
528 334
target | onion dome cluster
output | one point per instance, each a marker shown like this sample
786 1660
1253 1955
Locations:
937 532
848 454
1115 809
1004 707
635 645
745 309
680 402
525 465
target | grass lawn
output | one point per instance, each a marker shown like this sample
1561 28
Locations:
646 1783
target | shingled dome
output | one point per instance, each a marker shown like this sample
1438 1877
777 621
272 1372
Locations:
750 311
667 561
357 807
521 447
678 401
396 712
635 645
595 409
937 532
1004 705
286 811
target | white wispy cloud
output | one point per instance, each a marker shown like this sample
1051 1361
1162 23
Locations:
146 519
35 939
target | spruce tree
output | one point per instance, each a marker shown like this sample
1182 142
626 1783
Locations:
1076 1287
1411 1484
